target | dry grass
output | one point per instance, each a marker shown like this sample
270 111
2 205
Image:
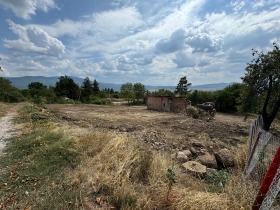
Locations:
116 171
3 109
240 191
130 176
125 171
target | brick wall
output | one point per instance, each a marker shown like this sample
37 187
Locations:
166 104
178 105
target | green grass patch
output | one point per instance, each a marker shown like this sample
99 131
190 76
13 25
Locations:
26 112
33 170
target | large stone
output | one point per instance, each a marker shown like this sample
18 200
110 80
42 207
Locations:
197 143
183 156
224 158
195 168
208 160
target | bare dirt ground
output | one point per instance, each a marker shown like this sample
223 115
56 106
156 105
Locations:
162 131
7 127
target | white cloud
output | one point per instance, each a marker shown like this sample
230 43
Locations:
33 39
256 4
108 25
185 59
181 38
25 8
153 42
203 42
237 5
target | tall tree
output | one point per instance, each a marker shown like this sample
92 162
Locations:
227 99
127 91
262 84
67 87
95 87
86 90
37 88
139 91
182 87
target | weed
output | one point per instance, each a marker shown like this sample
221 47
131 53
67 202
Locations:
170 177
217 179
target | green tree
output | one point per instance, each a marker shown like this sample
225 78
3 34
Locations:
262 85
163 92
37 91
9 93
86 91
227 99
37 88
67 87
50 95
139 91
182 87
200 96
126 91
95 88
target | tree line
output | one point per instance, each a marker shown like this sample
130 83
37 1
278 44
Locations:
259 91
67 91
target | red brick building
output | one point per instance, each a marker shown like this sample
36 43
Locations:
167 104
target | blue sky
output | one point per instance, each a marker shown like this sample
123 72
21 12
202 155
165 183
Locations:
154 42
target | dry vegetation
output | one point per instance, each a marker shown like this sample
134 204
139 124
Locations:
92 157
3 109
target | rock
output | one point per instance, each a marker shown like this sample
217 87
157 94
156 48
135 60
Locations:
202 151
183 156
157 143
194 168
193 151
192 134
187 152
224 158
208 160
196 143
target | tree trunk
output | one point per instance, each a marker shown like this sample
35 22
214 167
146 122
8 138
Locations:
267 120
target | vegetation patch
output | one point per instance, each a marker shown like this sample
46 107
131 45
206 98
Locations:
33 170
3 109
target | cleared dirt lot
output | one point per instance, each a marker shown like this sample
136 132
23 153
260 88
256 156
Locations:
161 130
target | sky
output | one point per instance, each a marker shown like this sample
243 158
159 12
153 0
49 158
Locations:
155 42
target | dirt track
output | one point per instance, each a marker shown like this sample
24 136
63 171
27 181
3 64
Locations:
164 131
8 128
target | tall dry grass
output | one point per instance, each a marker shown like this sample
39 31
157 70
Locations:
127 172
131 176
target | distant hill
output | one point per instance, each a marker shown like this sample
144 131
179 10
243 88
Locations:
23 82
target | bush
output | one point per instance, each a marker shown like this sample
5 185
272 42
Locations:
192 112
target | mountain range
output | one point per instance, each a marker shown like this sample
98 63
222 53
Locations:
23 82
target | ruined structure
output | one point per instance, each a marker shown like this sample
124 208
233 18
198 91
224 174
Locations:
167 104
208 107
